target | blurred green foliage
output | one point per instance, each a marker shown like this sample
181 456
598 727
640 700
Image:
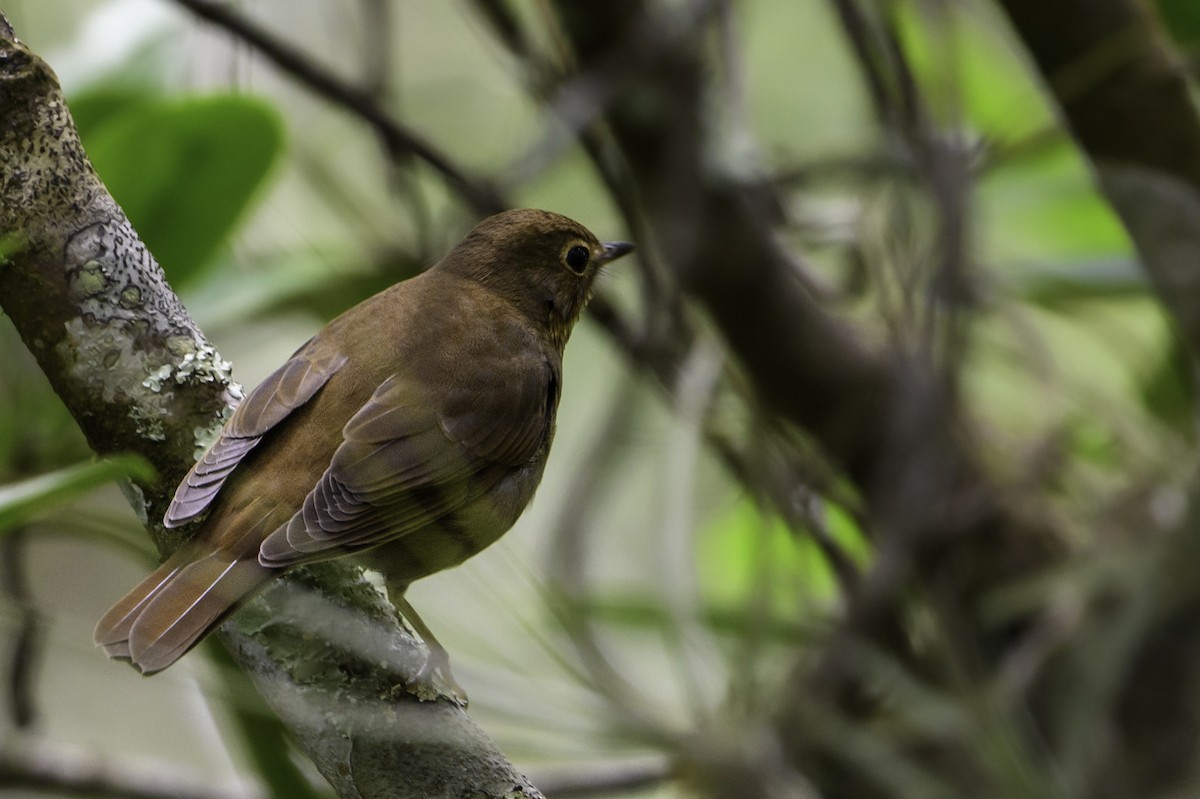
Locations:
750 558
185 170
1182 19
24 500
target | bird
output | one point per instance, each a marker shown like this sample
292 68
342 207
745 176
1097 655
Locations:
409 433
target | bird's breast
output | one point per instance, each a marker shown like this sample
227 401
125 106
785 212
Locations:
453 538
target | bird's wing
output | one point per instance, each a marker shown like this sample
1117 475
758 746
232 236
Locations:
404 463
285 390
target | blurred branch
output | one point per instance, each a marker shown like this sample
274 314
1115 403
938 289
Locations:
505 26
43 767
1128 103
605 782
582 98
377 49
26 646
138 376
398 139
941 161
659 345
569 588
777 468
886 415
890 82
379 84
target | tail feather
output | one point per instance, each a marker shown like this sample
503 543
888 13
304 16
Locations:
112 631
191 604
176 606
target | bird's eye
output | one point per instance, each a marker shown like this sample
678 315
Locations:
577 259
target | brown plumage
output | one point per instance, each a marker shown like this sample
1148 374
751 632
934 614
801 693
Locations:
412 431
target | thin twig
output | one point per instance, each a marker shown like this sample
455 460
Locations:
42 766
398 139
377 49
379 82
570 584
583 98
693 647
606 781
27 641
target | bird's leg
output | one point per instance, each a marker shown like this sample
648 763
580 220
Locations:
438 661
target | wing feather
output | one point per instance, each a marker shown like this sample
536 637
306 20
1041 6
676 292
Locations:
284 390
406 461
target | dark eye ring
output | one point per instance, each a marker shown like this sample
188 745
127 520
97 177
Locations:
577 259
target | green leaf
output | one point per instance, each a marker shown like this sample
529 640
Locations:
99 105
21 501
969 71
747 554
1182 18
1043 207
184 171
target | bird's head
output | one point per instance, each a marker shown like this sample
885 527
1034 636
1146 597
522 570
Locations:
542 262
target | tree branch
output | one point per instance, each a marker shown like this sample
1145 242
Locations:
1126 99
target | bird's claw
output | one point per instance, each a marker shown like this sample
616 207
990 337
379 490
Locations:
436 680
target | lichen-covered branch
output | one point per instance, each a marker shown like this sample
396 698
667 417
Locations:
87 297
93 306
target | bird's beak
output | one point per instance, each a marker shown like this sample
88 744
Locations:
612 250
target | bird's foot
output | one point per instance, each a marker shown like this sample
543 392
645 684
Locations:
435 678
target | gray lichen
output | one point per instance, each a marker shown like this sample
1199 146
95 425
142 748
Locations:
83 290
200 365
205 435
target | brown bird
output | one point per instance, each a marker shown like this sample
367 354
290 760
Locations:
411 431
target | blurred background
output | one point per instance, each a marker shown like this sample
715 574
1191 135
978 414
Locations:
711 548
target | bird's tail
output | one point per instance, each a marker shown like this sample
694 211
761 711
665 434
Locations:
168 613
